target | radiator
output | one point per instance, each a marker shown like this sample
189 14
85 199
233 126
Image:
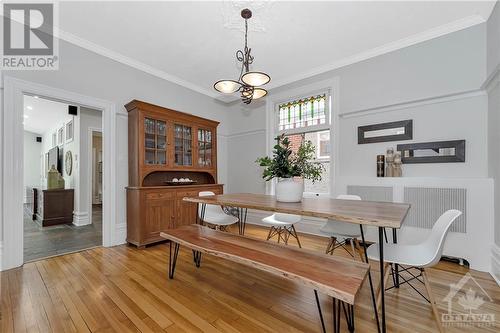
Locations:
427 204
371 193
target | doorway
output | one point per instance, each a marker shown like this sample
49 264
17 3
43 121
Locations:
12 154
58 150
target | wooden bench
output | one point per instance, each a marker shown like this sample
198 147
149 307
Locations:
337 277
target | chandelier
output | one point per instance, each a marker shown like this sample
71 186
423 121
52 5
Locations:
249 83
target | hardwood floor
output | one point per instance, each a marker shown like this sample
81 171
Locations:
122 289
42 242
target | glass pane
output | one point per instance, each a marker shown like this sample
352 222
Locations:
161 156
149 125
201 153
161 127
310 111
161 142
150 140
150 156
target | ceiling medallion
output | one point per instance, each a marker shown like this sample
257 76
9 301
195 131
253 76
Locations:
249 82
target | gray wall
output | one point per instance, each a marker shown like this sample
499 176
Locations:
382 89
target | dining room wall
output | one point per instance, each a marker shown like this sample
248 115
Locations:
437 83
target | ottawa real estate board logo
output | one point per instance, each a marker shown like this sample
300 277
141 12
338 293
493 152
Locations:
28 36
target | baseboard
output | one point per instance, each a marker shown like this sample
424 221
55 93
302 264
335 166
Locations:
120 234
495 263
81 218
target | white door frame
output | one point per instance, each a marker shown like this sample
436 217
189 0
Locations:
90 174
12 177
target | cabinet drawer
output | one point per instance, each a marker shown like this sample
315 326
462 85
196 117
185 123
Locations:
159 195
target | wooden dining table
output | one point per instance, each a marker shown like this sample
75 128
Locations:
381 215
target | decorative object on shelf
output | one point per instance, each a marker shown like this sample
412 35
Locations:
54 179
380 165
60 136
69 131
249 83
384 132
389 159
433 152
397 167
291 168
68 162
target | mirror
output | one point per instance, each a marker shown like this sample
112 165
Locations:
393 131
433 152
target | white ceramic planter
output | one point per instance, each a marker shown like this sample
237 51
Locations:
290 189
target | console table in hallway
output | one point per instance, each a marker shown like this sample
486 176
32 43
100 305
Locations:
377 214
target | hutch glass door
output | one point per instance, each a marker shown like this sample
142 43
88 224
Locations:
183 145
204 148
155 135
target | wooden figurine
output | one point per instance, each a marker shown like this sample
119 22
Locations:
389 161
398 170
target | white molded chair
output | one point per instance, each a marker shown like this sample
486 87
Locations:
419 256
214 215
282 225
342 232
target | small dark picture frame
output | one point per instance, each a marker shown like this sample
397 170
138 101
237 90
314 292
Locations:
444 151
375 133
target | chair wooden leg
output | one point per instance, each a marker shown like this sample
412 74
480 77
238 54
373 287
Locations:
331 245
351 241
270 233
387 271
433 301
360 250
296 236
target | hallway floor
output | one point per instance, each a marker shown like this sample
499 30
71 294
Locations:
55 240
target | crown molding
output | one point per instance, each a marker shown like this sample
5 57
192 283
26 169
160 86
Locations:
439 31
98 49
436 32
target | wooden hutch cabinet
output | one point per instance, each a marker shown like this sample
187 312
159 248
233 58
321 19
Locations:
165 144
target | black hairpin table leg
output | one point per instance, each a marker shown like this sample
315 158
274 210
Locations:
338 306
382 287
374 302
172 259
396 266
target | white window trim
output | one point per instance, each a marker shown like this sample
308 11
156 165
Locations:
318 155
331 86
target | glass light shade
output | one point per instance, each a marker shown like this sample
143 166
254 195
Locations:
259 93
227 86
255 79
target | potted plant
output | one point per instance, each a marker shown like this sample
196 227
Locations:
291 168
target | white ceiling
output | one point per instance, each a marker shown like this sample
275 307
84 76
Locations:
41 115
194 43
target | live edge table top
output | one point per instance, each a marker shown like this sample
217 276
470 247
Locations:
374 213
338 277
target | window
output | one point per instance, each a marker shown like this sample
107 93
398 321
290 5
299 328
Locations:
308 119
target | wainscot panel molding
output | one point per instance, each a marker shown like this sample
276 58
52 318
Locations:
413 104
479 233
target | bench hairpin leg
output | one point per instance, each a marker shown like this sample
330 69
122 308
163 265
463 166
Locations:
349 315
197 258
319 310
336 315
374 302
172 259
